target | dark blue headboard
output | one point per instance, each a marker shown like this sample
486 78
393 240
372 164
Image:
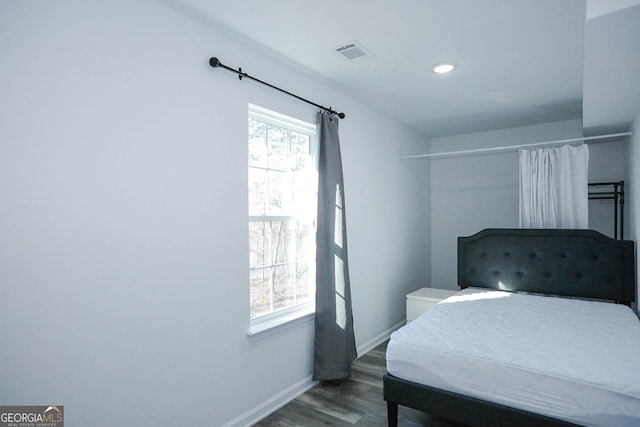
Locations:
578 263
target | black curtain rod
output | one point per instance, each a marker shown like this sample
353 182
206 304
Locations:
215 63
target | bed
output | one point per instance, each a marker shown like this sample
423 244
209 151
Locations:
534 337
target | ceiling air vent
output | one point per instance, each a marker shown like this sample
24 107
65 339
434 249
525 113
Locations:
354 52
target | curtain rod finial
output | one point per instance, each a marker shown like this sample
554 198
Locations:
330 110
214 62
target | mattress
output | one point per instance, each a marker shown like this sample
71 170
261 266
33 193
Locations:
573 360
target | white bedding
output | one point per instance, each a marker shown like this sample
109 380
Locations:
574 360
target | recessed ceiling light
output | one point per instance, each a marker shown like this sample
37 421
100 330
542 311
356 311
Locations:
443 68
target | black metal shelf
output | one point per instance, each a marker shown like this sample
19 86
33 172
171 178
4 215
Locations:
611 191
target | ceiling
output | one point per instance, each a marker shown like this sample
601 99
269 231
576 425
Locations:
518 62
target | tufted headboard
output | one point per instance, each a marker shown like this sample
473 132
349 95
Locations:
578 263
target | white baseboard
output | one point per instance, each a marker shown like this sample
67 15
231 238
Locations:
277 401
272 404
378 339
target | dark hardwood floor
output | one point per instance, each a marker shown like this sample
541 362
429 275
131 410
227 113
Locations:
356 401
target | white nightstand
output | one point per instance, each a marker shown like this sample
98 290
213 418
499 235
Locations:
425 299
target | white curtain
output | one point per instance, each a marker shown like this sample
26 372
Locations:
554 187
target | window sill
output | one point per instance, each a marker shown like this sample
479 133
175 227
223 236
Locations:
271 326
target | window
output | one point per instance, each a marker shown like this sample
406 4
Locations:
282 213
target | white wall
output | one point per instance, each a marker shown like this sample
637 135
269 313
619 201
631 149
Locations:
633 191
123 234
471 193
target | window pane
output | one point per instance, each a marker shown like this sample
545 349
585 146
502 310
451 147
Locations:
304 200
283 245
300 151
283 287
280 191
278 148
305 240
260 291
257 144
257 187
299 143
305 277
259 246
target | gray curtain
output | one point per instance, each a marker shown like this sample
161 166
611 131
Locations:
334 342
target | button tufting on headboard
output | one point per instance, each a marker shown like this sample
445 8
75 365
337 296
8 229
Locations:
582 263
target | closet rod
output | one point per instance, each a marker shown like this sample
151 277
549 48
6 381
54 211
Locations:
215 63
510 147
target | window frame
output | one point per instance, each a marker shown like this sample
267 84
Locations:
288 316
